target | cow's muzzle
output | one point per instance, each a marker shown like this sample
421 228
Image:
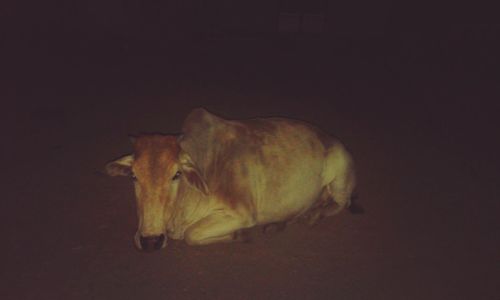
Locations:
151 243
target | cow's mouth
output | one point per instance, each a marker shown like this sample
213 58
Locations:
150 243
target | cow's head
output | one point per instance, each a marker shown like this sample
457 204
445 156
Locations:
160 171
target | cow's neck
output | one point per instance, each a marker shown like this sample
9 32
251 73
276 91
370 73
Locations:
190 207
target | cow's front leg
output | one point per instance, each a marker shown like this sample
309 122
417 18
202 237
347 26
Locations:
218 227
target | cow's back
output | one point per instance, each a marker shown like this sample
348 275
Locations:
270 168
285 173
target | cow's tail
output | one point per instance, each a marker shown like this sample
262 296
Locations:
355 208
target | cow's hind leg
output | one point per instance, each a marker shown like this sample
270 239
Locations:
339 181
340 191
215 228
317 211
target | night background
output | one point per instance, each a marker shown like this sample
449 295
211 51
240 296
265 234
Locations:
411 89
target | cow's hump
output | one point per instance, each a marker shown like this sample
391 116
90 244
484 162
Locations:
201 131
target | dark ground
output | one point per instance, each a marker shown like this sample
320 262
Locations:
420 114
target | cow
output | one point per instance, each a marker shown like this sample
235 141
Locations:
221 176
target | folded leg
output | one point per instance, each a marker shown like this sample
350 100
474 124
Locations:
218 227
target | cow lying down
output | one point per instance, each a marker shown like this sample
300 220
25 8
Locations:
221 176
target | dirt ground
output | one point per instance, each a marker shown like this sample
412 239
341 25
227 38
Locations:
420 116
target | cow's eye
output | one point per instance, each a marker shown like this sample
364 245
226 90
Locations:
177 175
133 177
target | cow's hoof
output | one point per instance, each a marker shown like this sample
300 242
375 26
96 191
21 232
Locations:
273 227
242 235
311 218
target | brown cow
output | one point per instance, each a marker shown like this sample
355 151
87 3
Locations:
221 176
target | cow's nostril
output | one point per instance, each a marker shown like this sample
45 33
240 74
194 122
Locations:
150 243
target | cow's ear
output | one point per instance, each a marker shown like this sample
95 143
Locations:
120 167
193 176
